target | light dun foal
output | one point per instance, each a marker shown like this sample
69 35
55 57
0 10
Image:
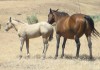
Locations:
26 31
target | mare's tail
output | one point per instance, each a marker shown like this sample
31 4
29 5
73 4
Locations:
91 23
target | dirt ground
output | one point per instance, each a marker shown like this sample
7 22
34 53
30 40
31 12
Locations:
9 41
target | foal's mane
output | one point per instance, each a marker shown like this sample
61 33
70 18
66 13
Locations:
18 21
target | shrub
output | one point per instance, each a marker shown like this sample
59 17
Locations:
32 19
96 18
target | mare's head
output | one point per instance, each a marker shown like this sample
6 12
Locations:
55 15
9 24
51 16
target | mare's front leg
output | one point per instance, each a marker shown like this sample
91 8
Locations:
27 47
57 45
77 45
45 41
21 46
63 47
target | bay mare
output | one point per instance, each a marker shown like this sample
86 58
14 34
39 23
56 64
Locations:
72 27
26 31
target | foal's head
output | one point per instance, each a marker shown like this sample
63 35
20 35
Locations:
9 24
55 14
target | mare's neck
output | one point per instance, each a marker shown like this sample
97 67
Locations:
59 19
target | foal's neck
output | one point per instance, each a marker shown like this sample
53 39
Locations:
16 25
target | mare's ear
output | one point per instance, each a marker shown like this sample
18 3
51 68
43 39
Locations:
50 10
57 10
10 19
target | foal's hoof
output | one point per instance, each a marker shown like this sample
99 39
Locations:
28 56
50 38
42 58
20 56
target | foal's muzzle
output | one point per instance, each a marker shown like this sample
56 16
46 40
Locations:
6 29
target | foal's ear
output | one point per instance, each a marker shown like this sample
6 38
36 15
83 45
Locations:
50 10
10 19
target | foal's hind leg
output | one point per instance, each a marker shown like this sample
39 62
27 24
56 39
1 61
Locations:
27 47
90 45
51 36
63 47
45 41
77 45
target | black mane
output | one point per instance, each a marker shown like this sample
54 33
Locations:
59 13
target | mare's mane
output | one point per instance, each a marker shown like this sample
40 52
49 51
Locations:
58 13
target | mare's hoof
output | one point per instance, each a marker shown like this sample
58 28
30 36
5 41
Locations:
91 58
55 57
62 56
77 56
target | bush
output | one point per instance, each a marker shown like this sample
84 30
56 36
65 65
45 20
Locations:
32 19
96 18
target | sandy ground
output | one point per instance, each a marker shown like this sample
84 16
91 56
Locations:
9 41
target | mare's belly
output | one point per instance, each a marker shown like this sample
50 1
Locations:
68 35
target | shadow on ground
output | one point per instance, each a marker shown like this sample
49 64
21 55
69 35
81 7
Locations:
83 57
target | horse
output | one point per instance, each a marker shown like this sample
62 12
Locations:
72 27
26 32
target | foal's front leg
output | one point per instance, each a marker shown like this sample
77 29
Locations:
21 46
45 41
27 47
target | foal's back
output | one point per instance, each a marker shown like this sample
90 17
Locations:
36 30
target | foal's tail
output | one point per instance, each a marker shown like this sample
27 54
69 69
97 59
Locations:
51 35
91 23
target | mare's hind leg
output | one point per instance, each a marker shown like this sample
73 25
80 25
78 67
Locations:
21 46
89 45
77 45
57 45
45 41
63 47
27 47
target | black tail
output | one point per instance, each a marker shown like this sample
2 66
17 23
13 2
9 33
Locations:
91 23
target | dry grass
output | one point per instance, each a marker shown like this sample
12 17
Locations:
9 41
